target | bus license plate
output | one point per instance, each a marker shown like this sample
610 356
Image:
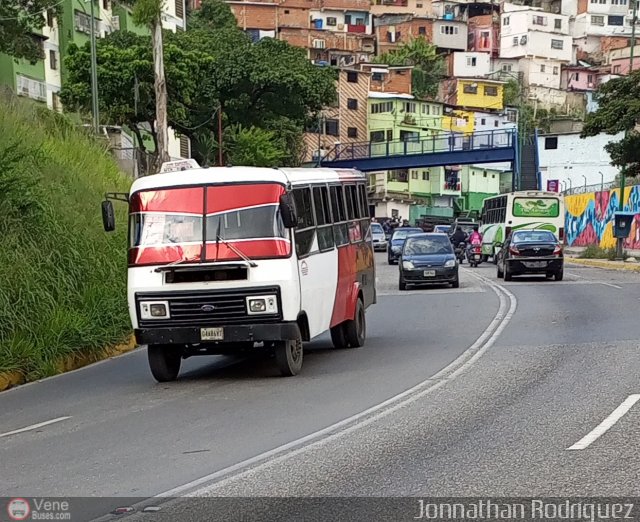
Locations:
211 334
429 273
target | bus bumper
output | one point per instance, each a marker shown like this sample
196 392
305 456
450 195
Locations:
230 334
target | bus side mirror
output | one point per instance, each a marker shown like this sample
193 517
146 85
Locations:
288 212
108 216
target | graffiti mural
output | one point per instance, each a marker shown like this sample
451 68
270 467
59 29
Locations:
589 218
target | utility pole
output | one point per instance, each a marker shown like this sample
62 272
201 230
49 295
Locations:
620 241
220 156
94 74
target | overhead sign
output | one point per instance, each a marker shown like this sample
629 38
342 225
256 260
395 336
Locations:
177 165
553 185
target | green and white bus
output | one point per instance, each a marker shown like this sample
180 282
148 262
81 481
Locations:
517 210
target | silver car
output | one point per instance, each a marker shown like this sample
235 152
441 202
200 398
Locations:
379 237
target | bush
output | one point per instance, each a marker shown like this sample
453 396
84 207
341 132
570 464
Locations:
63 279
596 252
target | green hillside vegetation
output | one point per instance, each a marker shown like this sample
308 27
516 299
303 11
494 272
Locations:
62 278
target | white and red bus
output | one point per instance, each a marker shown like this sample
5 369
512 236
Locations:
226 260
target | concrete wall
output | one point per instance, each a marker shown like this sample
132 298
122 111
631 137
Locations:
471 64
575 157
562 101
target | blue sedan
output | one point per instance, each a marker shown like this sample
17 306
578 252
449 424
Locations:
428 259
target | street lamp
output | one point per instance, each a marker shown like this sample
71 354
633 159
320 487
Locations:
570 184
585 182
563 185
94 74
601 181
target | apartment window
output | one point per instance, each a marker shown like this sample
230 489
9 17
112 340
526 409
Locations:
53 60
422 30
286 11
332 20
419 6
332 127
390 135
557 23
505 20
425 109
506 67
352 77
597 20
616 69
603 2
352 104
551 143
83 23
542 68
555 71
185 147
435 111
425 175
50 18
409 107
490 90
105 4
495 123
352 132
515 40
556 44
470 88
448 29
615 20
180 8
471 61
577 76
400 175
377 77
590 78
359 21
378 108
376 136
414 174
539 20
483 121
347 19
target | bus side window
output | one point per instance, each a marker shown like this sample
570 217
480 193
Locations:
364 211
339 215
353 213
323 218
305 231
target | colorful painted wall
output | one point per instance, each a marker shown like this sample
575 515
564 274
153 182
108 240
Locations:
589 218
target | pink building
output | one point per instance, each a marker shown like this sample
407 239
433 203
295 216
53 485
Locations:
579 78
484 34
621 65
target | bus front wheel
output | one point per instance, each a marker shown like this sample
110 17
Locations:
164 362
289 355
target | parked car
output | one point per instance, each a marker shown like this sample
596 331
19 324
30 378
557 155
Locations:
428 259
442 229
379 237
530 252
397 240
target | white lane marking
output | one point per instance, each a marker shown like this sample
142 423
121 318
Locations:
612 285
33 426
575 275
502 318
431 291
606 424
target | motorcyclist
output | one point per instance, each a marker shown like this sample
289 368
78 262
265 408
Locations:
476 237
458 236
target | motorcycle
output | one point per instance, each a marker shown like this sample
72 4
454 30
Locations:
460 252
474 255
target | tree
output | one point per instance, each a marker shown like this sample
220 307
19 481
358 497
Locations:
19 19
213 15
618 111
429 66
254 146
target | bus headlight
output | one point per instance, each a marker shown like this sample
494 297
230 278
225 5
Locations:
154 310
262 304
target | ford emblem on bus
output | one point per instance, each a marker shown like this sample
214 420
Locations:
207 308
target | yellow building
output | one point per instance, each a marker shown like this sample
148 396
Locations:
458 121
473 93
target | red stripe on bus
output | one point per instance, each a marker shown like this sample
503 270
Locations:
230 197
253 249
188 200
347 275
162 255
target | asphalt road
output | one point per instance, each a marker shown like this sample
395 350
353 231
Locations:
502 380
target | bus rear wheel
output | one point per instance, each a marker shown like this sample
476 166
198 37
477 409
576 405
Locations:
355 330
164 362
289 355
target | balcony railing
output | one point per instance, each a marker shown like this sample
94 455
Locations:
356 28
33 89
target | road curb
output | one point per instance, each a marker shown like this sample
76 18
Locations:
71 362
609 265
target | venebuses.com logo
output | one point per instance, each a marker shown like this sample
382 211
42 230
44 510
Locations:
18 509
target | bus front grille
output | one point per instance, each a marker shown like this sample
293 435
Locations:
207 307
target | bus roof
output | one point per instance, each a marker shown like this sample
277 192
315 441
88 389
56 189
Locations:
208 175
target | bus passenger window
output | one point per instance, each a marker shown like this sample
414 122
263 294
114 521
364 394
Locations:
305 231
340 230
323 218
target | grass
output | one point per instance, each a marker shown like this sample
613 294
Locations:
63 279
596 252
